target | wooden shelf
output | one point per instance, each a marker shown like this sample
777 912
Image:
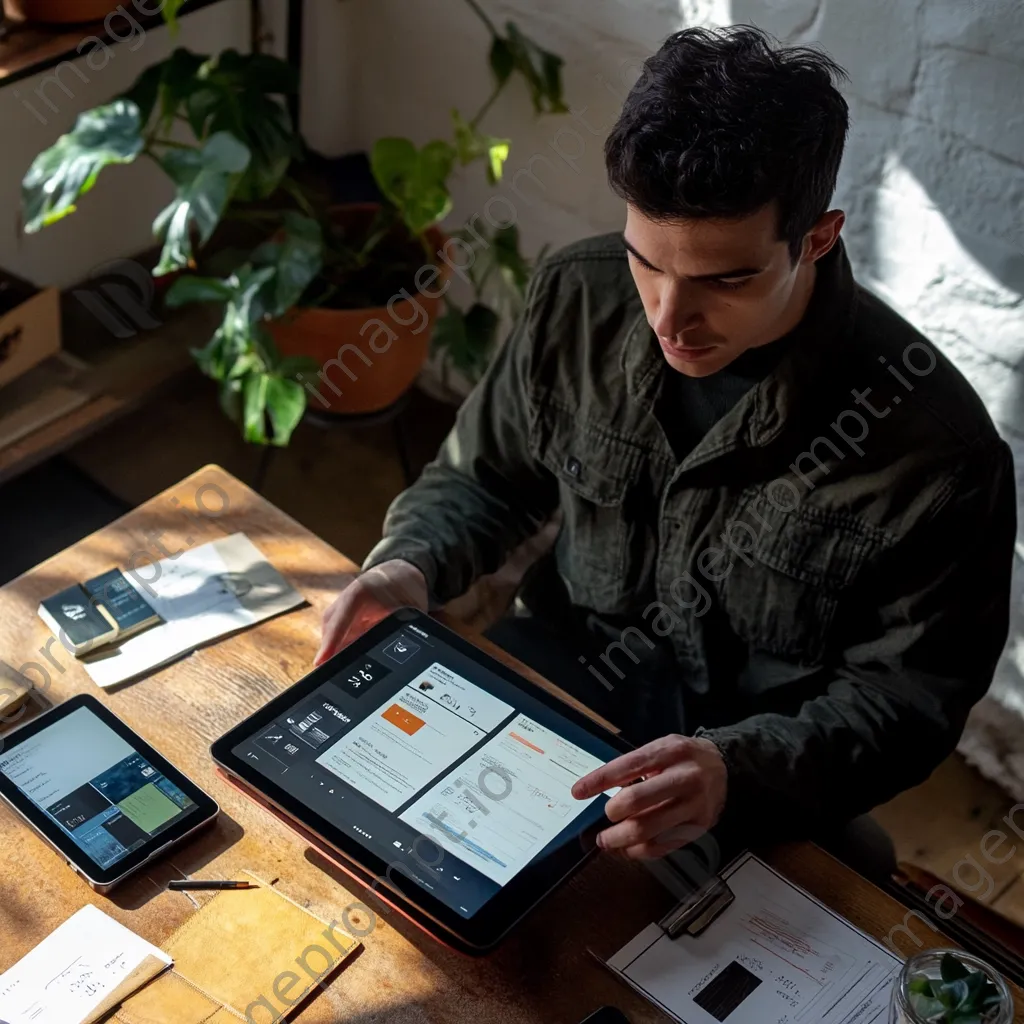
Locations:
26 48
118 377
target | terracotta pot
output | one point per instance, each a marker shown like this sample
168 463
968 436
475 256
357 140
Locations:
64 12
369 358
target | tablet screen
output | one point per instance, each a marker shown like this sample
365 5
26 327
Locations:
95 786
435 764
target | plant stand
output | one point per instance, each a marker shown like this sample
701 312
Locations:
356 421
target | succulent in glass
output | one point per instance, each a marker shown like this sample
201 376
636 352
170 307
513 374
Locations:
946 987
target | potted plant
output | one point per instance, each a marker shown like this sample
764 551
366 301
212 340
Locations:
949 987
314 298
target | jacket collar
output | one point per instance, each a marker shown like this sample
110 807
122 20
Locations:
762 413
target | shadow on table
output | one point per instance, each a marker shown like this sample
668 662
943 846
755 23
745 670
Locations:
187 860
518 973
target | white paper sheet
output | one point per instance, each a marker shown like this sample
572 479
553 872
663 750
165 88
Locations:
201 595
775 956
73 970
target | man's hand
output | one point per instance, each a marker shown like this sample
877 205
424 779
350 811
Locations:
367 598
674 792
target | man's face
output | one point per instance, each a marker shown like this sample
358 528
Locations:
714 288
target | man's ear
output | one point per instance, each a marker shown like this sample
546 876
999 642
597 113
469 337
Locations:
825 233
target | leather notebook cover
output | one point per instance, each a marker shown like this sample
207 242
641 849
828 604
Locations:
249 952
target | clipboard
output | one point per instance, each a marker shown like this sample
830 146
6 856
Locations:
702 894
749 942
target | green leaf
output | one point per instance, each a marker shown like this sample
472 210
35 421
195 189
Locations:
514 265
292 366
231 400
232 93
926 1007
254 72
179 79
541 69
471 146
210 358
205 178
167 84
251 286
266 128
170 12
197 289
145 90
467 339
254 394
921 984
503 60
286 403
952 969
60 175
297 259
952 994
246 363
415 181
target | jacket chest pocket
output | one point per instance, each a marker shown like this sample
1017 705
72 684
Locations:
595 474
790 570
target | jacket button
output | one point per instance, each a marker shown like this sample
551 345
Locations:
573 466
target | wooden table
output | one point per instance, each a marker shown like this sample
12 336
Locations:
543 972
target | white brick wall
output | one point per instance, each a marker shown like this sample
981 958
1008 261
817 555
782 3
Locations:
933 180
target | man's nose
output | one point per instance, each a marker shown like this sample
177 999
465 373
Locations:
677 313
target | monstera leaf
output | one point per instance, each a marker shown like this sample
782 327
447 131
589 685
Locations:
60 175
165 86
297 257
205 178
415 180
238 93
256 384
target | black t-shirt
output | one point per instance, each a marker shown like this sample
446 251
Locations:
690 406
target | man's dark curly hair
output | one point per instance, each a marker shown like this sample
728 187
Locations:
725 121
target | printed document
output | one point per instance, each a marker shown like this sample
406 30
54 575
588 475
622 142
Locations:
776 955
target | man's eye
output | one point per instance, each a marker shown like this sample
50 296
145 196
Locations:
644 265
731 285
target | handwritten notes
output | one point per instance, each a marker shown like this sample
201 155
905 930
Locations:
76 971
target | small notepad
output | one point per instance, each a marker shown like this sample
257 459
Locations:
79 972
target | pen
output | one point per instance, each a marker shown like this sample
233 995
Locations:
193 885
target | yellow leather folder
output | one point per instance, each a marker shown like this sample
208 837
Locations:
251 954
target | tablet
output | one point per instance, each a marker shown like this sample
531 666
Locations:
437 775
104 799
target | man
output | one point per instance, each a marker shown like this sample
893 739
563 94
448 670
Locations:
787 521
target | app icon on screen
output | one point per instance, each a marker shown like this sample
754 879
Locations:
401 650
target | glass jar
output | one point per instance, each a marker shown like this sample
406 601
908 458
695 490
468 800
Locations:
928 963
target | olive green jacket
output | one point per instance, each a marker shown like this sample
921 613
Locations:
828 570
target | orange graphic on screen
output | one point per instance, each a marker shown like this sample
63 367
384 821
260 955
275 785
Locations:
525 742
404 720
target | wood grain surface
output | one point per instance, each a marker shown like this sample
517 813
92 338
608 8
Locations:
544 972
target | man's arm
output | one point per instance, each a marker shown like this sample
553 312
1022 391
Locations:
897 704
480 498
484 494
891 711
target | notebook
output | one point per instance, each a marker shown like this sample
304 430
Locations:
79 972
252 954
